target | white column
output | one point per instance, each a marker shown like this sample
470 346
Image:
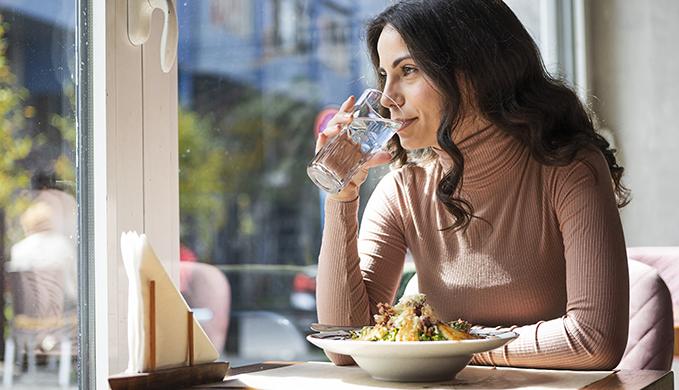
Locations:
136 168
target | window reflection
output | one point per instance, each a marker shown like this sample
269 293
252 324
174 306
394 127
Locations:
254 76
255 79
38 237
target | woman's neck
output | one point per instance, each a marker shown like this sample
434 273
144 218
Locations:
487 151
468 127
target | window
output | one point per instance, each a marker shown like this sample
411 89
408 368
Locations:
248 103
252 86
288 26
38 208
254 78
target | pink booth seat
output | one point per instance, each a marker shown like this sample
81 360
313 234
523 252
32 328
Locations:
206 288
666 261
650 321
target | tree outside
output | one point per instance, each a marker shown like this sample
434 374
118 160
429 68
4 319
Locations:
243 176
15 146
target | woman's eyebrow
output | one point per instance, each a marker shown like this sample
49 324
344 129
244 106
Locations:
397 61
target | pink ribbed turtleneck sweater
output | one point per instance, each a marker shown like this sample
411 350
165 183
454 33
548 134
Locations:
551 264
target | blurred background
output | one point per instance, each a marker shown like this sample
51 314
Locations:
257 79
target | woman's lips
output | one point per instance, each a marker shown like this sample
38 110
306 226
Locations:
406 123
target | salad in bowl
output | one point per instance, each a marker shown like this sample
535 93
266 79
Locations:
409 343
412 319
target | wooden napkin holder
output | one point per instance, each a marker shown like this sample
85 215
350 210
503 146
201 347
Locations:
169 378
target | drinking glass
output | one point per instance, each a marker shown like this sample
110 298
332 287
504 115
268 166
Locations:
336 163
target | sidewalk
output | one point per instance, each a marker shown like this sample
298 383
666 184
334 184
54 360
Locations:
43 379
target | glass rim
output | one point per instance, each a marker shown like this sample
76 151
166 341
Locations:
381 93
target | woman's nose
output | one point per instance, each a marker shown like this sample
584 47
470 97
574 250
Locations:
391 100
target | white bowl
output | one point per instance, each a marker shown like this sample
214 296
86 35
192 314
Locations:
412 361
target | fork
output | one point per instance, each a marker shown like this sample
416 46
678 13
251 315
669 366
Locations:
332 328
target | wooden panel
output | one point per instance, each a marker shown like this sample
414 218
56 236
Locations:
161 150
125 172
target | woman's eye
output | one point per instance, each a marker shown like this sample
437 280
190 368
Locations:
408 70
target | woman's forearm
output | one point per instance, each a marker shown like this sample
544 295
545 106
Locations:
341 294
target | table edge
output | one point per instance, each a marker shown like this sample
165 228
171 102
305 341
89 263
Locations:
620 379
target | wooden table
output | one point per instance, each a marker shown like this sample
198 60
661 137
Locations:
623 379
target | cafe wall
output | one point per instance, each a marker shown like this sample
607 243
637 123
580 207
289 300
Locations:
634 77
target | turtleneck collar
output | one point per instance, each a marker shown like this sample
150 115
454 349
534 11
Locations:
488 152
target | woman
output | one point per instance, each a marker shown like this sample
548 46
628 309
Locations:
510 211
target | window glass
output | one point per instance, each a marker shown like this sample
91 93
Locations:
38 239
256 78
528 11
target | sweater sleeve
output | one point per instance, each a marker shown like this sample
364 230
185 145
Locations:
592 334
355 272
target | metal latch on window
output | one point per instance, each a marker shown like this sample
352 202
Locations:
139 27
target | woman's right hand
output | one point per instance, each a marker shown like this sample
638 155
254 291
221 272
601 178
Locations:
335 125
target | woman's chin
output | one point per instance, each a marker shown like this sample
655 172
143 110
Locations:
413 138
410 144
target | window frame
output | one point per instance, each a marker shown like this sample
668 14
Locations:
85 195
563 42
133 168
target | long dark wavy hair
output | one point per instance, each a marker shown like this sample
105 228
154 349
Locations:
485 43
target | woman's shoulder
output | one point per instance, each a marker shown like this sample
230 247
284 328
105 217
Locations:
588 162
588 172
